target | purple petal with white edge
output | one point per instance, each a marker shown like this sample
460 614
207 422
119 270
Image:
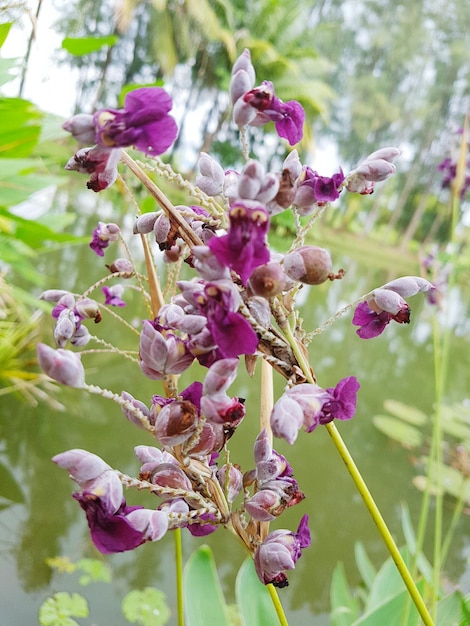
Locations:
287 419
389 301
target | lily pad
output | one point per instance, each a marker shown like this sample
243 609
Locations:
406 434
408 413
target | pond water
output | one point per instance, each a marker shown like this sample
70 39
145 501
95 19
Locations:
398 364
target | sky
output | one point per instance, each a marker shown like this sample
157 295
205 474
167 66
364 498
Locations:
48 85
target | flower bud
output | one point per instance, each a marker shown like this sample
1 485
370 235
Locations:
286 419
176 422
82 465
152 524
250 180
121 265
233 484
244 63
53 295
376 170
269 188
80 337
243 113
145 222
263 505
268 280
82 128
209 168
387 300
65 327
220 376
387 154
62 365
170 475
87 308
409 286
134 410
309 264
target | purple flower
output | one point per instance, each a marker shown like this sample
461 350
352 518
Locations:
113 295
231 332
309 405
114 526
162 353
103 235
386 304
371 323
260 106
342 401
100 162
244 247
313 189
143 122
280 551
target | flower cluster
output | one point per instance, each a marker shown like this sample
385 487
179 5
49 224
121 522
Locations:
239 301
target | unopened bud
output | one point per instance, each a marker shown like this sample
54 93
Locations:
309 264
231 484
144 223
62 365
82 128
121 265
176 422
268 280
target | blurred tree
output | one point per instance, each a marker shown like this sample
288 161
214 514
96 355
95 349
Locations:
403 76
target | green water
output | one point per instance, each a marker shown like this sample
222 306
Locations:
49 523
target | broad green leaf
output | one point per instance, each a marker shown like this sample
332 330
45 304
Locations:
364 564
9 486
408 413
204 600
35 234
4 30
253 598
409 436
454 427
79 46
146 608
59 610
449 479
20 129
390 613
15 253
344 607
449 609
94 570
387 584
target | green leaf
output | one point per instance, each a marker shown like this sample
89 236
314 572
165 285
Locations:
409 414
20 130
410 537
449 609
204 600
253 598
344 607
387 584
449 479
78 46
390 613
146 608
409 436
4 30
59 610
364 564
94 571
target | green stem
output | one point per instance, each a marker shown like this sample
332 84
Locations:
179 575
277 605
380 523
365 494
